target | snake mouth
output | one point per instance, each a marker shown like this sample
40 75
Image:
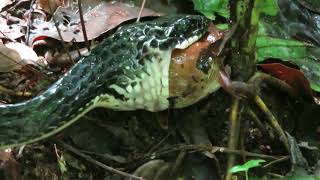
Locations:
193 68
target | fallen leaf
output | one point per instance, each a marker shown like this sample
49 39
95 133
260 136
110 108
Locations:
294 77
4 3
61 161
12 31
306 145
44 5
26 53
98 19
9 59
74 162
15 55
9 167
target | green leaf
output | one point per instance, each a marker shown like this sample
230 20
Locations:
246 166
269 47
238 168
210 7
311 69
266 41
62 164
222 26
269 7
286 27
303 55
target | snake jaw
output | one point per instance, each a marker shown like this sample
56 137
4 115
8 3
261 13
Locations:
187 42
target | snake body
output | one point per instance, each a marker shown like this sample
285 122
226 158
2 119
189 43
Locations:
132 69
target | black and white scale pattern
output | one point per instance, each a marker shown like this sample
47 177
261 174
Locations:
128 70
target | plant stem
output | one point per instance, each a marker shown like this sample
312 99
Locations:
233 134
247 177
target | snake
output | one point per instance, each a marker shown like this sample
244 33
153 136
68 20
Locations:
152 65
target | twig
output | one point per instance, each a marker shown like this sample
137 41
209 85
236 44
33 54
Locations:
257 121
14 93
29 21
141 9
212 149
275 175
88 158
160 143
259 78
227 37
83 25
246 153
4 35
233 134
277 161
272 120
108 157
177 164
59 33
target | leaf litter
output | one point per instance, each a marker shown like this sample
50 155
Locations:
103 17
122 135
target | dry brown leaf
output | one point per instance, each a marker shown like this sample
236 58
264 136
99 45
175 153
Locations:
9 59
12 31
15 55
4 3
98 19
9 167
44 5
25 52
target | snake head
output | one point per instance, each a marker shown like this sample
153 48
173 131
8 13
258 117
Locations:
194 71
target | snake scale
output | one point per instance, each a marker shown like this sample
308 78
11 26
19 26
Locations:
132 69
